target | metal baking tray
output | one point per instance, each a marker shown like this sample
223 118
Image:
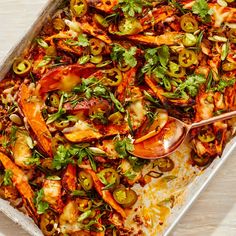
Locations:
193 189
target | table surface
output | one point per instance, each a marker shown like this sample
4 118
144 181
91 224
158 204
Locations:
214 213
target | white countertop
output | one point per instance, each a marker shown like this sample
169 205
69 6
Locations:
213 214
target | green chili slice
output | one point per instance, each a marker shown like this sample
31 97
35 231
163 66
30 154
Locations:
187 58
86 181
96 46
125 197
129 26
188 23
21 67
113 77
78 7
109 177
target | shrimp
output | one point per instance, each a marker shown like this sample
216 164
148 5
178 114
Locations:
30 106
21 150
52 194
19 179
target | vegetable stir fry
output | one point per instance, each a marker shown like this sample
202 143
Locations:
101 78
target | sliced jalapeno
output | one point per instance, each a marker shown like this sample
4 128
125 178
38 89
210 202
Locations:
54 100
188 23
129 26
61 124
123 67
21 67
116 118
109 177
229 66
58 24
125 197
84 204
96 59
113 77
48 223
200 160
96 46
187 58
51 51
164 164
78 7
100 20
175 70
206 136
85 180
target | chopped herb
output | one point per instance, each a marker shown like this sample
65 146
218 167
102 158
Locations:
41 205
83 40
7 178
79 193
46 60
225 51
201 8
130 175
124 146
131 7
137 163
100 117
209 80
121 54
59 113
42 43
150 98
178 5
62 158
223 84
116 102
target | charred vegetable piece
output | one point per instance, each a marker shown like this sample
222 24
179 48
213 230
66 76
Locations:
78 7
125 197
30 106
86 180
21 67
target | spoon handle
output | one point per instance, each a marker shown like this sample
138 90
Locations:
224 116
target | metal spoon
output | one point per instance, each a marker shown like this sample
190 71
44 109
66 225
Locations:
171 136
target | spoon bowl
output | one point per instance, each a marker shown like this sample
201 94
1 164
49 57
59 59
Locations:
171 137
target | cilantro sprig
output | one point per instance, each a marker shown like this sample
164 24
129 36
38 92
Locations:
123 147
41 205
7 177
131 7
121 54
201 8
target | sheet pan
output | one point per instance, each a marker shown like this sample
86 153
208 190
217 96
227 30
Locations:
193 190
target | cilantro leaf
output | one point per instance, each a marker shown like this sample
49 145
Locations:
62 158
41 205
191 84
201 8
123 55
123 147
131 7
83 40
7 178
156 61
